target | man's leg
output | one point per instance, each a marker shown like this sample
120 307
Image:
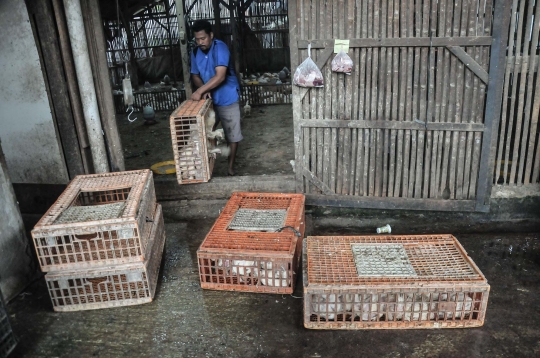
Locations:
232 156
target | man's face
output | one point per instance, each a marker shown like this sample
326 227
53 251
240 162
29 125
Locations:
204 40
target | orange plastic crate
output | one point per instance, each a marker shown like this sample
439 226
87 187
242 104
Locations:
189 142
394 282
110 286
100 219
254 257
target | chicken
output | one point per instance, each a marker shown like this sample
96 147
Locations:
247 109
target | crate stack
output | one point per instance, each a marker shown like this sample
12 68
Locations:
391 282
7 338
191 126
101 242
255 244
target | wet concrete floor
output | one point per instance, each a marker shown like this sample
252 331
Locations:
186 321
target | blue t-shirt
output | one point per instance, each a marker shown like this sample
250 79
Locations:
204 65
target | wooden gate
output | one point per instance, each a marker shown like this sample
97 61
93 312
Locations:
413 126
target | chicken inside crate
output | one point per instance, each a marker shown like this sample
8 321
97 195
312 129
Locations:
255 244
391 282
195 144
100 219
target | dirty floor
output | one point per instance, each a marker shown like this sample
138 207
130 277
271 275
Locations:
186 321
267 147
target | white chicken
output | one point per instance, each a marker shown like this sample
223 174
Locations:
247 109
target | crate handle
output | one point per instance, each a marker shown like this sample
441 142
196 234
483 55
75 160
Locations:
97 280
296 232
91 236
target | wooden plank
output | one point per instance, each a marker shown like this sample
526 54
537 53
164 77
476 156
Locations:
403 42
469 109
328 104
365 180
468 61
493 105
535 106
394 114
423 92
318 183
525 103
294 25
333 158
41 12
485 61
454 104
340 90
408 31
391 203
513 96
460 107
510 61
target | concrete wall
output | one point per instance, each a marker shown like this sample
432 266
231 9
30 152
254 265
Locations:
16 267
31 146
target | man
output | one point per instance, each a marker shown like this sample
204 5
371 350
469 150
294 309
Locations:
213 74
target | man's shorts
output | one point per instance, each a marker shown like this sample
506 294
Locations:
230 121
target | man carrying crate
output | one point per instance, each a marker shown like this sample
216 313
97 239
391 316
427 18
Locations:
213 74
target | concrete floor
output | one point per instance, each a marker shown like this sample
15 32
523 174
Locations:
186 321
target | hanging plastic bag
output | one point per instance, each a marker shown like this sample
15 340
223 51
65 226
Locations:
342 63
308 74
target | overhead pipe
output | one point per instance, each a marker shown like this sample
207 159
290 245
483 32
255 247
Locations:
79 47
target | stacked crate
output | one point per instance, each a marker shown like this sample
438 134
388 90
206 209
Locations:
255 244
385 282
190 123
101 242
7 338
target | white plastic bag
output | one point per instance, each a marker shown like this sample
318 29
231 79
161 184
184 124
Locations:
308 74
342 63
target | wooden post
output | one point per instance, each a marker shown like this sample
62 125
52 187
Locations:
234 50
182 34
100 70
167 10
217 19
493 103
56 82
73 90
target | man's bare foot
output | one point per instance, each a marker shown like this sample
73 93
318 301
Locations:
231 173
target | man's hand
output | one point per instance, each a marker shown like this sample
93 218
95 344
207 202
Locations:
197 96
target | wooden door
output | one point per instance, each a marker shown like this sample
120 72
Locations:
413 126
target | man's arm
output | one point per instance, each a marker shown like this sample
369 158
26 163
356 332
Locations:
197 80
215 81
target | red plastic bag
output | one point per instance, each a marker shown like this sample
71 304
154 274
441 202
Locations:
342 63
308 74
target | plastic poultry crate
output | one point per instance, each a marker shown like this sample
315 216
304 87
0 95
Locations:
190 123
101 219
243 251
110 286
391 282
7 338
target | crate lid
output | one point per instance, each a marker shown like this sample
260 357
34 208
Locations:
191 108
389 259
63 211
247 224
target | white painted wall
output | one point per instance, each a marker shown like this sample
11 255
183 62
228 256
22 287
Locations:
27 131
16 269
